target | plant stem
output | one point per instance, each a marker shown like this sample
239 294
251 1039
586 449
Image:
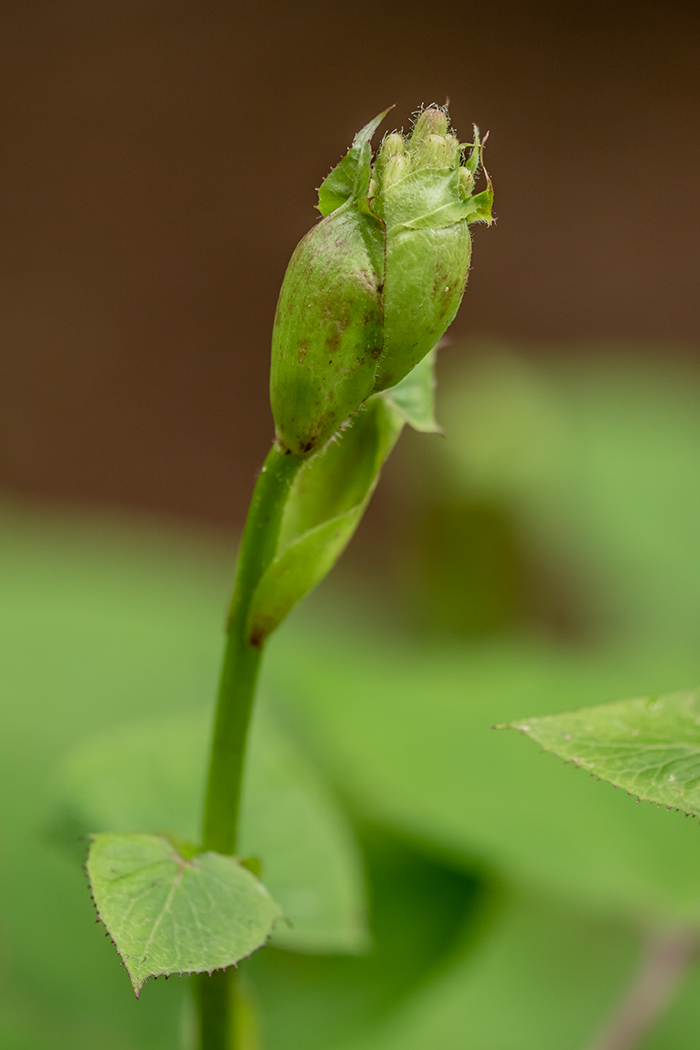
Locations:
242 660
236 693
666 960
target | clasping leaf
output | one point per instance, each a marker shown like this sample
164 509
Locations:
331 492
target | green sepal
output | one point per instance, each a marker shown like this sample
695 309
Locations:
446 215
341 184
418 194
482 205
327 333
474 158
167 914
649 746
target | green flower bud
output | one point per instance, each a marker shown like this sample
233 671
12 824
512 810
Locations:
432 121
372 288
466 183
395 169
391 146
437 151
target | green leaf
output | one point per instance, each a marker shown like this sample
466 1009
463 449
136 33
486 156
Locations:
331 492
414 396
169 915
482 206
149 776
648 746
598 457
559 973
422 912
326 503
408 731
339 186
446 215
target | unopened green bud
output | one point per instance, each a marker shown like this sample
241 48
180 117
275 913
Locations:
372 288
396 167
391 146
437 151
466 183
432 121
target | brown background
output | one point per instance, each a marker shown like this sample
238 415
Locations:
158 166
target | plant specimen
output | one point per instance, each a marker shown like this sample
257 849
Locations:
367 295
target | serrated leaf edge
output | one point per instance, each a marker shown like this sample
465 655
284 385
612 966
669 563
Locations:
138 985
526 730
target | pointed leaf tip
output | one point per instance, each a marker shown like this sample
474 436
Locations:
167 914
340 185
649 746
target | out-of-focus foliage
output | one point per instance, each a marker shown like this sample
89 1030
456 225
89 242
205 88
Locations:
149 776
507 893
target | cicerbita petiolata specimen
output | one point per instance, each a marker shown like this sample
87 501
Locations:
373 286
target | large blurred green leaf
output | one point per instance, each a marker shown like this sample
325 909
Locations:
150 777
545 979
408 731
598 455
173 914
650 746
421 911
100 622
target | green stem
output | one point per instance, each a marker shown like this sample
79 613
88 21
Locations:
236 693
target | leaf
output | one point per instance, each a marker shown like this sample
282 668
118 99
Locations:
414 396
648 746
599 458
559 973
422 913
148 776
407 731
482 206
170 915
445 215
331 492
326 503
339 186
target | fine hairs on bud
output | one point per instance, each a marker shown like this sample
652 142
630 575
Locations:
430 121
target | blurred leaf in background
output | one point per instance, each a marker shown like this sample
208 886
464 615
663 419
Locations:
508 895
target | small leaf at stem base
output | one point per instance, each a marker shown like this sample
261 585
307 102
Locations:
169 915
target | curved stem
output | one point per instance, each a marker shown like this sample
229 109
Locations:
235 701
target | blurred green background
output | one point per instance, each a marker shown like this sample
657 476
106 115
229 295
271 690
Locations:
543 554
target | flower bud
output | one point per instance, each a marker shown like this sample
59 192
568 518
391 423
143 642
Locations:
371 289
395 169
431 121
466 183
391 146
